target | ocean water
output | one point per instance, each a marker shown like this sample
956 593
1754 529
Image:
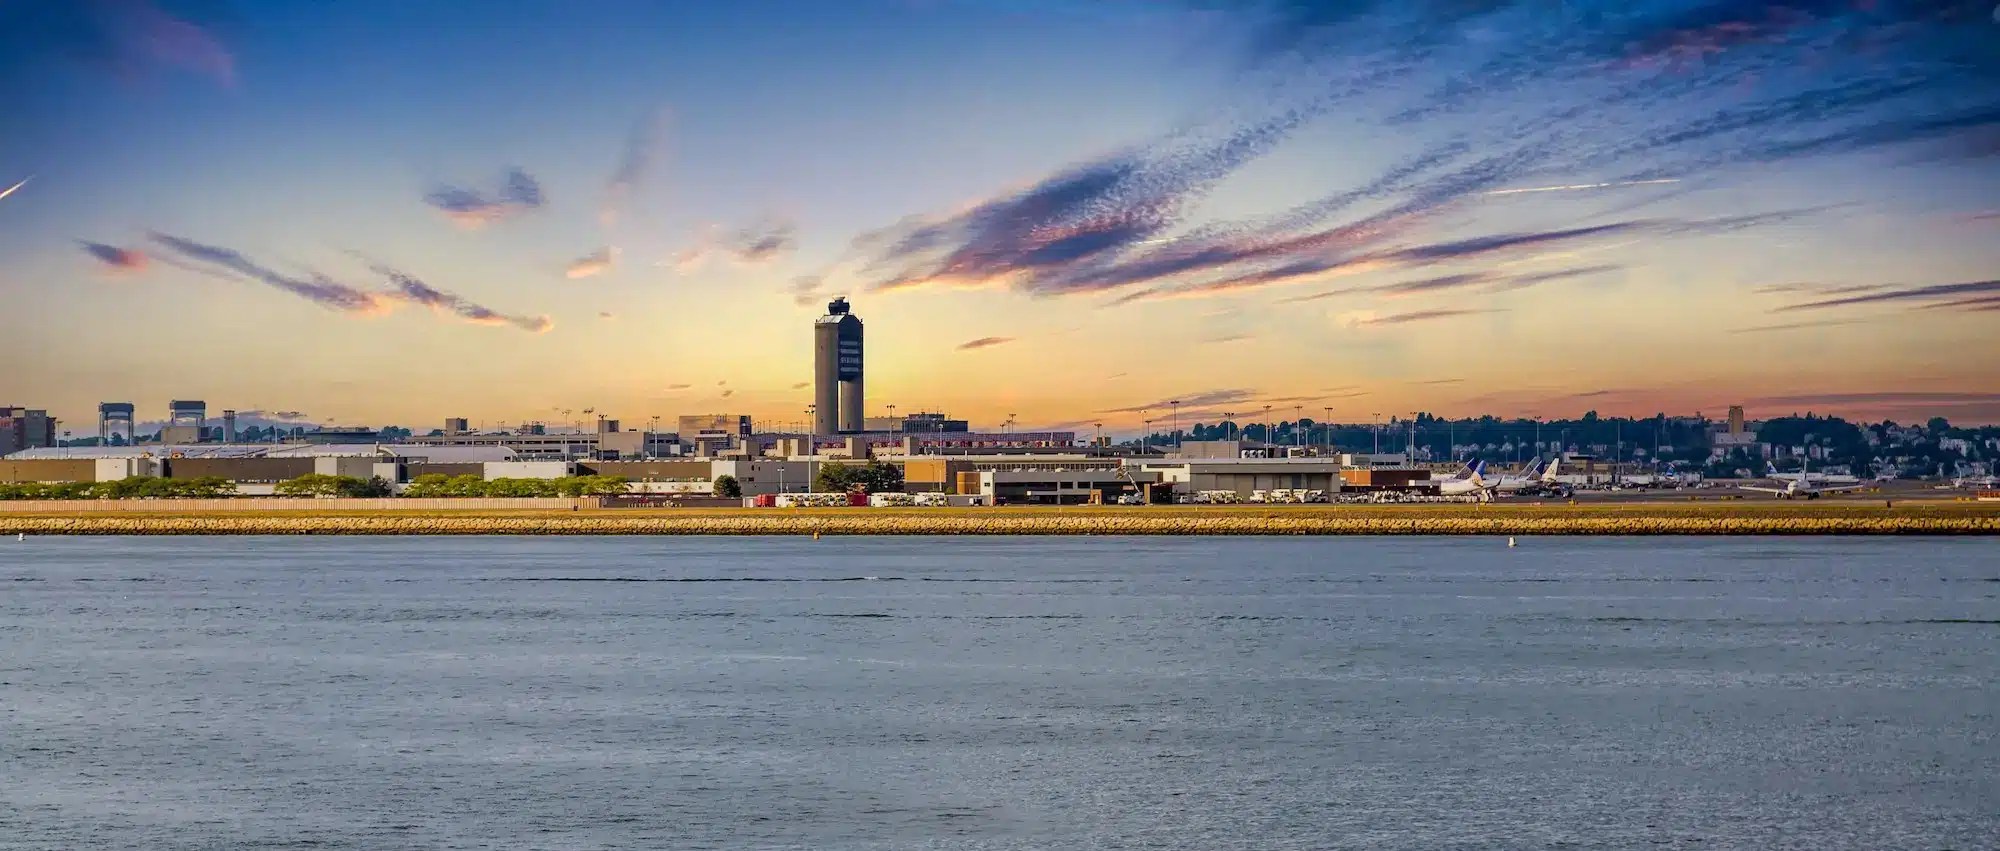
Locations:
998 693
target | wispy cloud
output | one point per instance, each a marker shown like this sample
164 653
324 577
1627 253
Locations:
1067 232
1658 112
1226 338
1936 294
115 259
129 39
764 241
755 244
1790 326
805 290
984 343
676 388
1578 187
643 148
606 315
801 385
595 263
1875 397
316 288
1202 399
1417 316
472 209
1818 289
411 289
1443 381
230 264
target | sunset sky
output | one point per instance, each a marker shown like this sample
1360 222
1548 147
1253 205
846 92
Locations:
1071 212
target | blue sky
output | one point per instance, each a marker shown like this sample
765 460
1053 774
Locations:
394 212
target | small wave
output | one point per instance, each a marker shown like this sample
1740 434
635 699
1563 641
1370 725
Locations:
691 579
1735 622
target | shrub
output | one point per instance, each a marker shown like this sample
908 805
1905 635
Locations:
323 485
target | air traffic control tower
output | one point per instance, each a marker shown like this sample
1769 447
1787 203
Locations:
837 371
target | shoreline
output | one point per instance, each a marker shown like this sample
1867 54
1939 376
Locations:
1627 518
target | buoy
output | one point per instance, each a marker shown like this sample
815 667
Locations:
1510 540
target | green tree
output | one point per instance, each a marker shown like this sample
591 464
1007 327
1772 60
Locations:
520 488
602 485
727 487
205 487
323 485
589 485
310 484
835 477
882 477
873 477
429 486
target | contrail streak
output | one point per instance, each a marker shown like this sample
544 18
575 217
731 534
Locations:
1575 186
10 189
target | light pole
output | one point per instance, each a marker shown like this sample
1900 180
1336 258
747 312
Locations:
1377 428
1298 424
1328 425
1267 431
1146 438
1177 423
1097 443
1228 425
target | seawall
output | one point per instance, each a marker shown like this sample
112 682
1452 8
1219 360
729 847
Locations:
293 504
1000 523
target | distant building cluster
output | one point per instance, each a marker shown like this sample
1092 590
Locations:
933 452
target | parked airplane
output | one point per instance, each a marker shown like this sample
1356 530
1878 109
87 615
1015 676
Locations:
1535 476
1471 480
1798 486
1468 481
1970 483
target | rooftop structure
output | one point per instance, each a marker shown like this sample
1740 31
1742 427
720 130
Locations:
114 421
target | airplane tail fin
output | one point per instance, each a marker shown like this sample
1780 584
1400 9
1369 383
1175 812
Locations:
1549 473
1466 472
